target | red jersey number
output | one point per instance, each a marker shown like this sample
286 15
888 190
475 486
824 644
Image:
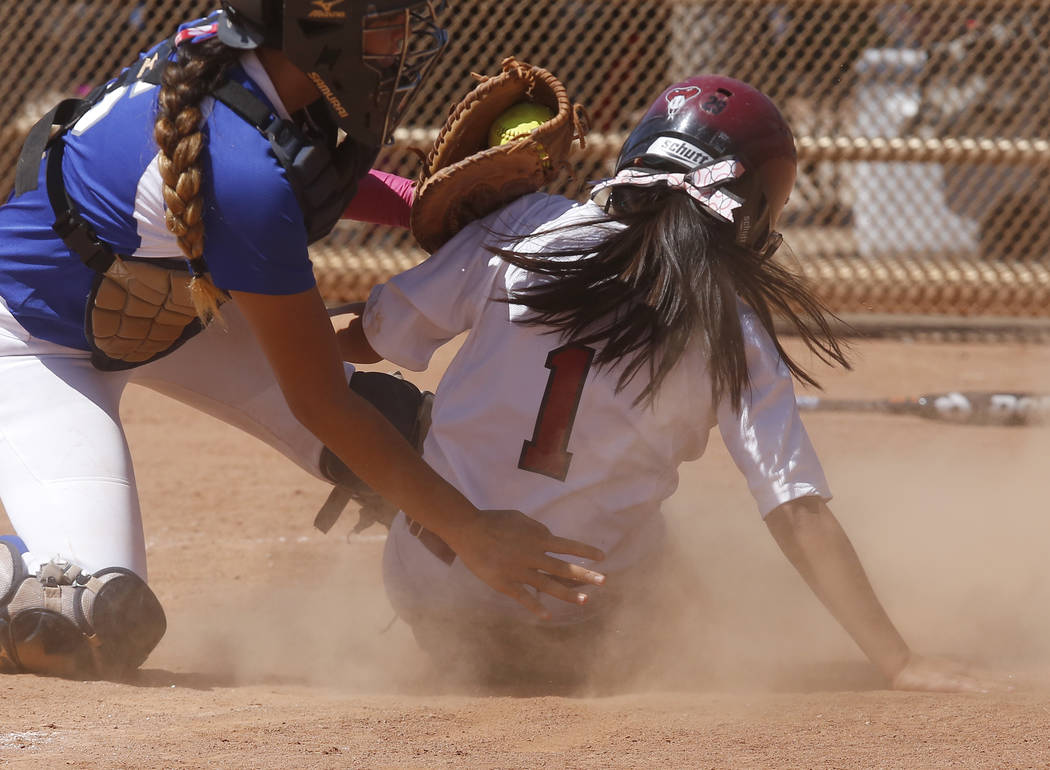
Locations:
547 451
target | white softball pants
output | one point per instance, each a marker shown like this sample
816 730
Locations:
66 476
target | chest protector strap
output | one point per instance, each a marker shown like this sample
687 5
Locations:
323 176
139 310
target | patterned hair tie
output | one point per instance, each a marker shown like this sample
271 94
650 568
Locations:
702 184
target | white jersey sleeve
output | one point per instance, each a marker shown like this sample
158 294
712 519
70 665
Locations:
767 439
409 317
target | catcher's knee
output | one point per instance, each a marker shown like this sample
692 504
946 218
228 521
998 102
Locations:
63 621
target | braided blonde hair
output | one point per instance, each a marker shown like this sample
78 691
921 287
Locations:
197 69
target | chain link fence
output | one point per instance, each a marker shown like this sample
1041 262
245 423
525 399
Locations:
924 184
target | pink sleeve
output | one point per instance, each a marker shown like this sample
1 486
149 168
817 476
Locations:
382 199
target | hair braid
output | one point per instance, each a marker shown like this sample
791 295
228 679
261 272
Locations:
197 69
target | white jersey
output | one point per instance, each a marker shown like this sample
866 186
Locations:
523 419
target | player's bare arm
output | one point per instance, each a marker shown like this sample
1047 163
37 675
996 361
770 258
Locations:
508 551
813 540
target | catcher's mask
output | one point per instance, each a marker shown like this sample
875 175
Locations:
709 118
367 91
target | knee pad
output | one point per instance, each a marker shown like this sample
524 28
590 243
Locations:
65 622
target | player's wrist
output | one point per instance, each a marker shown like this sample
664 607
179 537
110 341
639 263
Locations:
457 524
894 662
444 510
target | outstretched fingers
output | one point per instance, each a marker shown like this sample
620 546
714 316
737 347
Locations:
566 590
527 593
573 548
519 557
560 579
569 571
529 601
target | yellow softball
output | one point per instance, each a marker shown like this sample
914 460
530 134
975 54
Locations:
518 120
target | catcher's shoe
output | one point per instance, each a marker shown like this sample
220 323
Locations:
12 573
65 622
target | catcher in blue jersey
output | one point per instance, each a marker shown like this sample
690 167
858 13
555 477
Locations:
159 236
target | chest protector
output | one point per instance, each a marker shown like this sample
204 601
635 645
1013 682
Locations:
140 309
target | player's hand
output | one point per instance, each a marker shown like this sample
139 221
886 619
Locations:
511 553
935 674
353 344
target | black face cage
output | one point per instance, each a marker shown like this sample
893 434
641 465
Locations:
400 77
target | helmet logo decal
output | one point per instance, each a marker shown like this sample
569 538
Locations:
677 97
716 102
324 10
678 150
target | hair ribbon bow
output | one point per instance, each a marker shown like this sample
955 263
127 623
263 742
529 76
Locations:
702 184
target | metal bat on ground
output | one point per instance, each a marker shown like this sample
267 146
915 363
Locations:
960 407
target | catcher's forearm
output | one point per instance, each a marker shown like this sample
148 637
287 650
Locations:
812 539
295 333
391 466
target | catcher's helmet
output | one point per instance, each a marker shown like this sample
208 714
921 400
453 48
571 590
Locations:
366 92
710 117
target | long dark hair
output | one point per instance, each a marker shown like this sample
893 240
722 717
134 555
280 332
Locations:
667 273
197 69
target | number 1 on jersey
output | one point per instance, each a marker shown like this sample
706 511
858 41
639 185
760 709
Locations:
547 451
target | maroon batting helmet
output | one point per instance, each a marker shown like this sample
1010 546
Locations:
710 117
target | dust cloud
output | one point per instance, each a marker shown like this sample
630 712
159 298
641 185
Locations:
947 520
332 628
951 523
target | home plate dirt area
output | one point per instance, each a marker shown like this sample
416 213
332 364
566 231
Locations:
282 651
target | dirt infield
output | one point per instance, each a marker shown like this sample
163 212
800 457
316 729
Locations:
277 654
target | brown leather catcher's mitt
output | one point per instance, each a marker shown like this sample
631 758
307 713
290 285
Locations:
464 179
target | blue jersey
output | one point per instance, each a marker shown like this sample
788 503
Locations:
255 236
